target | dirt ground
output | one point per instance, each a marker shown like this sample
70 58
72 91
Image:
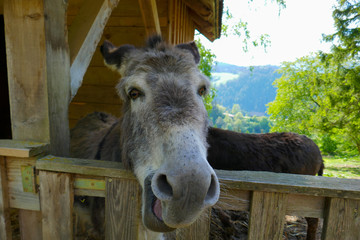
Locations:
233 225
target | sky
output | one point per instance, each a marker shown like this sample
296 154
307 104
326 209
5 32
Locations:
294 32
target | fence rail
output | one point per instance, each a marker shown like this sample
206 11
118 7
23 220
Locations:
32 180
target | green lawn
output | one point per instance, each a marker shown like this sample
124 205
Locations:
342 167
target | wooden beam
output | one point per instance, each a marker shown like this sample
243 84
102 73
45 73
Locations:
150 16
25 149
84 35
25 44
57 75
201 9
57 196
342 219
267 215
5 223
122 209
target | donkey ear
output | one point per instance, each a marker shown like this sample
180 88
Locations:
113 55
191 46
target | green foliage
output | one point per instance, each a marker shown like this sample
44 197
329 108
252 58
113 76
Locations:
318 98
205 65
252 89
237 120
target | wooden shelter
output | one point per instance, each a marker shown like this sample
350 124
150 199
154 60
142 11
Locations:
51 74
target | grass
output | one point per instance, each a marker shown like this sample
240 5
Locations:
342 167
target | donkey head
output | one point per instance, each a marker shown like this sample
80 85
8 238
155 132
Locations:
163 130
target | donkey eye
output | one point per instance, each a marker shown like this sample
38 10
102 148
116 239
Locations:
134 93
202 91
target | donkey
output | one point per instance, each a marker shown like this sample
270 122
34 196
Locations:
162 132
272 152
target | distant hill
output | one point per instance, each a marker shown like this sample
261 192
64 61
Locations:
251 88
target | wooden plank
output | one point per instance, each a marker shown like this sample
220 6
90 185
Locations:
122 21
57 75
57 196
84 166
97 94
5 223
28 90
291 183
199 230
342 219
78 110
17 197
267 215
122 209
25 149
84 35
30 225
305 206
150 16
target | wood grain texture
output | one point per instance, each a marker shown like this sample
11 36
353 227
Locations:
19 198
30 225
84 35
25 149
5 223
57 75
199 230
342 219
291 183
122 209
57 196
267 215
150 16
84 166
28 90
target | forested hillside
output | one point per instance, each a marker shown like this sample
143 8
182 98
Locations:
250 87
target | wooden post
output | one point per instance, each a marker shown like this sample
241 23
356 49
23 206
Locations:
56 196
342 219
199 230
267 215
39 80
122 208
5 224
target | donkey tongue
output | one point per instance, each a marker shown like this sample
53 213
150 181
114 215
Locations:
158 209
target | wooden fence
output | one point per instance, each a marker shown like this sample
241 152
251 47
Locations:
32 180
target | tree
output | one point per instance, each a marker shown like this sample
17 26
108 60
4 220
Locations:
320 94
205 65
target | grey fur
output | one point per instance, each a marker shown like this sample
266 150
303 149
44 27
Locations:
162 131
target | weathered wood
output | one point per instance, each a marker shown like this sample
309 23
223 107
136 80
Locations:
150 16
199 230
122 209
84 35
267 215
30 225
84 166
5 223
28 90
57 75
291 183
57 196
342 219
17 197
25 149
305 206
201 8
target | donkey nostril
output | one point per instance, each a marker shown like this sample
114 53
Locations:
164 186
213 189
